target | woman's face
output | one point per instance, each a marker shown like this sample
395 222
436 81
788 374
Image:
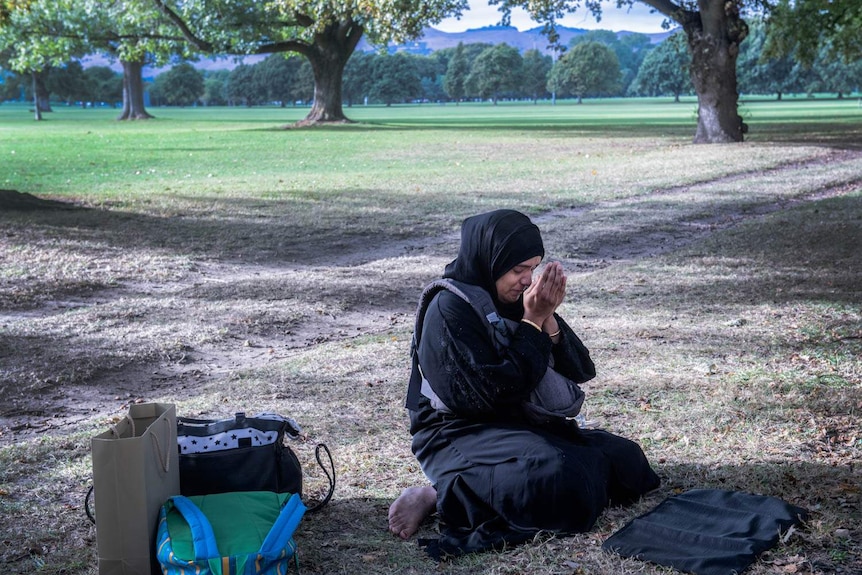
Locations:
512 284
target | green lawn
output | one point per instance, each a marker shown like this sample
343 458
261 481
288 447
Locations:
223 262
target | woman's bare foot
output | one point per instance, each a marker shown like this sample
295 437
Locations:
410 509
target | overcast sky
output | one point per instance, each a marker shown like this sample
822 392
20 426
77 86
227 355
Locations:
636 19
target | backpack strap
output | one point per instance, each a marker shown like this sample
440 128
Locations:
203 538
481 302
283 528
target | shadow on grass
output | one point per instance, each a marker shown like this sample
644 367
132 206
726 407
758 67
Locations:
303 233
840 135
350 535
810 252
230 230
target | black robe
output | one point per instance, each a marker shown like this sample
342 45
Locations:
498 478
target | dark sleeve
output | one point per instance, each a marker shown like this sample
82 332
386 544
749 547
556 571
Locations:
571 356
464 368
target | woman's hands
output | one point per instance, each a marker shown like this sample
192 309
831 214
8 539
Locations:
543 297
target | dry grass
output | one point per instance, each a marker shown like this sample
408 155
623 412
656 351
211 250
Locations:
722 308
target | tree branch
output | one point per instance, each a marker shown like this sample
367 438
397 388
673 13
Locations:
285 46
672 10
187 33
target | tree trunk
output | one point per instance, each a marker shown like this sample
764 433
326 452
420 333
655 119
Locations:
328 55
37 108
133 92
41 96
714 34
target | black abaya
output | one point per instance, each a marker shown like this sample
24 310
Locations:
500 479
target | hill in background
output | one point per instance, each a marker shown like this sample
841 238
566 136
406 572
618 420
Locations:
431 41
434 39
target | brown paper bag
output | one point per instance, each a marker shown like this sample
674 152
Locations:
135 470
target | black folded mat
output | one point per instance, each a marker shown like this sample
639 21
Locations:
706 531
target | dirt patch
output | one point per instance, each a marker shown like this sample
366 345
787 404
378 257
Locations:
244 316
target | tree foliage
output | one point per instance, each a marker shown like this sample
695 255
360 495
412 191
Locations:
536 69
714 30
396 79
456 74
496 71
182 85
804 27
630 50
242 86
104 85
588 69
760 73
42 33
665 70
68 82
358 76
326 33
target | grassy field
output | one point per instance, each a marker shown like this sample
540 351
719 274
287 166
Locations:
221 262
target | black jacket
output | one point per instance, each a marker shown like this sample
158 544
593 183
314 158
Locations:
474 379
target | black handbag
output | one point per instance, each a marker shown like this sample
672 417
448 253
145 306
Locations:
243 454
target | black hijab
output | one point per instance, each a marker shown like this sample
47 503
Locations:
491 244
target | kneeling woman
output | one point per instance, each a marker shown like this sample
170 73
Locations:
499 473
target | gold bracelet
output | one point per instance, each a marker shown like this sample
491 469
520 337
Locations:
555 334
532 323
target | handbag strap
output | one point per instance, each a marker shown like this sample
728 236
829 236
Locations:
330 475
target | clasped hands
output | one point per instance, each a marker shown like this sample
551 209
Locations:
544 296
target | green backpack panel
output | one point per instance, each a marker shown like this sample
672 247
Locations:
236 533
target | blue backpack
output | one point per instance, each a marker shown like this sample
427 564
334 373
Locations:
236 533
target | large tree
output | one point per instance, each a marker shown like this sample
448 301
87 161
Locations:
182 85
495 72
588 69
395 79
242 86
326 33
21 22
714 30
68 83
537 66
104 84
456 74
42 33
629 48
276 77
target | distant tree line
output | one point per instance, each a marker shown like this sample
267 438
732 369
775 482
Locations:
597 63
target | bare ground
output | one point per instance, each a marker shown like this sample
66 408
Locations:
34 400
318 288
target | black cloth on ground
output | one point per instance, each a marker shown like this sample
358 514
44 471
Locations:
706 531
